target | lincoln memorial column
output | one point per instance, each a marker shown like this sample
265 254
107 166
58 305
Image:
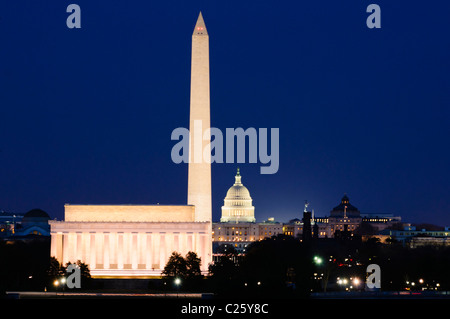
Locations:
120 250
156 248
134 248
162 250
79 247
65 250
148 251
92 262
106 250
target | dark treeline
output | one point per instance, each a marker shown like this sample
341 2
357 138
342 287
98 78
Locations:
277 267
286 267
24 265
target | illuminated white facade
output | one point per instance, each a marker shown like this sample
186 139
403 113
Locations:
238 227
128 240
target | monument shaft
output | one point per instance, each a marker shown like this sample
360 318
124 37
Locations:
199 176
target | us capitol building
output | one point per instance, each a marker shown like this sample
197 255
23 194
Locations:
238 227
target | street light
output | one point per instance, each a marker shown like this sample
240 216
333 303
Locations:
342 281
318 260
177 282
60 283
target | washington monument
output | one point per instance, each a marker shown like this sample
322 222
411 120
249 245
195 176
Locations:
198 137
199 176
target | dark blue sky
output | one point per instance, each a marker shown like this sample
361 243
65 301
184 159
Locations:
86 114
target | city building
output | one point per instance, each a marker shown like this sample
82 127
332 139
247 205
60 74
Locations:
238 227
8 223
344 217
319 226
35 222
347 218
24 226
137 240
381 221
412 237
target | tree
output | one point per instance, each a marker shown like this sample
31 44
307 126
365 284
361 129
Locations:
225 273
55 269
84 269
365 228
176 266
273 263
193 263
84 272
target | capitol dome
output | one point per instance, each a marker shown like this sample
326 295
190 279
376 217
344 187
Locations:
238 204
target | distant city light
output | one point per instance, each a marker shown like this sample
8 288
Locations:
317 260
